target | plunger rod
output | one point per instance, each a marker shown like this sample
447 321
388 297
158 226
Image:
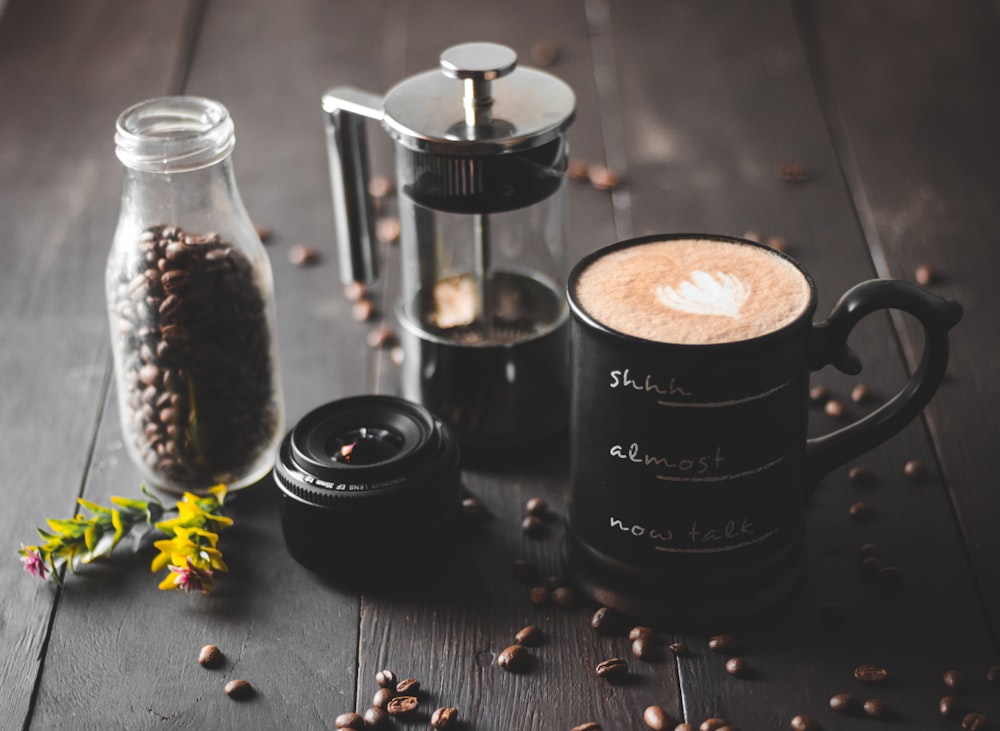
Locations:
481 223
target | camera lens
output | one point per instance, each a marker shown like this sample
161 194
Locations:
364 479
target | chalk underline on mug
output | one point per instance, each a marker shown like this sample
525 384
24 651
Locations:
720 549
718 404
723 478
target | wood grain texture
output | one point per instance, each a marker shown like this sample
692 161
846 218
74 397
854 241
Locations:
913 101
705 137
63 84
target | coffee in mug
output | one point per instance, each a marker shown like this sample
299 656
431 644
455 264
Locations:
689 461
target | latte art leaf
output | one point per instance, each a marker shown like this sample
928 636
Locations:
704 294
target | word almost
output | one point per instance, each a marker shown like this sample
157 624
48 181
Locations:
685 464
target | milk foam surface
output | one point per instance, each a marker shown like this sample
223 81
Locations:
693 291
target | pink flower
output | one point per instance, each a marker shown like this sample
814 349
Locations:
33 563
189 578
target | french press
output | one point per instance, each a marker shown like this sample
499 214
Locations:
480 167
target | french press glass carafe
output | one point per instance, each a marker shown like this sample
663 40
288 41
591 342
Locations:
481 157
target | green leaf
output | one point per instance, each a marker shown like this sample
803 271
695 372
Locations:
90 537
93 507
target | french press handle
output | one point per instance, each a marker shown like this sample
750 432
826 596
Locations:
346 110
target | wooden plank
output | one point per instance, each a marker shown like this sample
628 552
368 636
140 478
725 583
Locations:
913 101
718 96
449 635
291 634
66 70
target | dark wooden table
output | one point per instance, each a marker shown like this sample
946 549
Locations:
893 109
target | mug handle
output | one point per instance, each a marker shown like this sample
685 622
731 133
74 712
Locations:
829 346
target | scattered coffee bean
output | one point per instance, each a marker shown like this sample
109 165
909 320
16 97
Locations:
804 723
752 236
540 595
565 597
576 170
720 643
834 408
264 233
444 717
776 242
877 708
737 667
870 673
473 508
612 670
956 680
376 718
410 686
590 726
793 172
861 510
210 656
871 565
684 727
530 636
544 53
833 614
514 659
866 550
381 337
607 621
536 506
713 724
993 675
397 355
948 707
601 177
860 394
526 571
890 576
379 186
973 721
679 649
387 230
656 718
915 470
819 394
924 275
355 291
845 703
386 679
862 475
382 697
239 690
353 721
403 705
363 310
641 631
645 648
302 256
533 526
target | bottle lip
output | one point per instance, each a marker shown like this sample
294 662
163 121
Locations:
174 134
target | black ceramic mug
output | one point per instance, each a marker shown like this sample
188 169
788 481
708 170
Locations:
691 357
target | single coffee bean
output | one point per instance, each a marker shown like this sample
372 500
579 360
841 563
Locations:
264 233
302 256
353 721
601 177
713 724
376 718
576 169
890 576
514 659
924 275
210 656
606 621
386 679
544 53
533 526
730 727
679 649
777 243
860 394
684 727
354 291
473 508
915 470
861 510
239 690
835 409
819 394
540 595
866 550
444 717
555 581
862 475
876 708
737 667
381 337
793 171
403 705
871 565
530 636
804 723
870 673
973 721
656 718
536 506
388 229
590 726
382 697
956 680
645 648
948 706
612 670
641 631
363 310
565 597
410 686
845 703
993 675
720 643
380 186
